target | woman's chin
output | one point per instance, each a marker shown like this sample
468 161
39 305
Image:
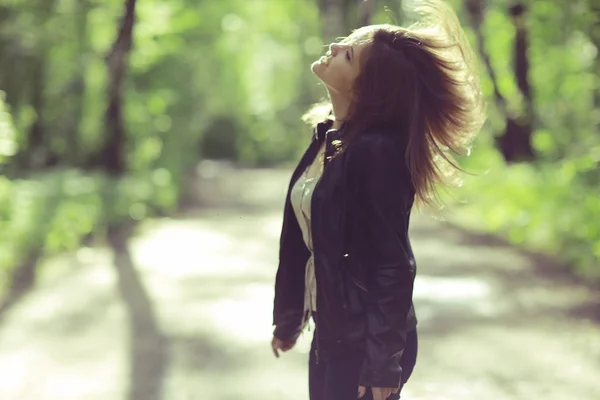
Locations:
318 69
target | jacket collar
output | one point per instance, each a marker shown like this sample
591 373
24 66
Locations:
321 129
332 137
324 131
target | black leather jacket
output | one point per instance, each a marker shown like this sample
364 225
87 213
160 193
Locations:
364 264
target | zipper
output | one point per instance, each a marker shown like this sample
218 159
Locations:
358 283
320 321
314 251
320 299
344 262
344 272
310 239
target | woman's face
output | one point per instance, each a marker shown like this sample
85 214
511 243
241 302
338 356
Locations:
339 68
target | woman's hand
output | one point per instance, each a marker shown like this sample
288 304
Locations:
379 393
283 345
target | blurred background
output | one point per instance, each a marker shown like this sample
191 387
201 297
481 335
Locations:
145 147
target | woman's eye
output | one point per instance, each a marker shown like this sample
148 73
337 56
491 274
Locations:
348 55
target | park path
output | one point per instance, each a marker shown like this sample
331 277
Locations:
184 313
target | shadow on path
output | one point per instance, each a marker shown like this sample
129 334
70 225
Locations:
147 345
513 271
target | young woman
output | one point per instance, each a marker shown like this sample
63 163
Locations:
401 99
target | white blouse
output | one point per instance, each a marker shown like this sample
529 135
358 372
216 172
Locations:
301 196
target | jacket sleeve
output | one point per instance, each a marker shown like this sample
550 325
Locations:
290 329
288 305
385 194
289 299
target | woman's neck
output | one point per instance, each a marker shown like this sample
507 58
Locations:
340 105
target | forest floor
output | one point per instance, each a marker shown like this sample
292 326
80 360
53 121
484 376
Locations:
183 312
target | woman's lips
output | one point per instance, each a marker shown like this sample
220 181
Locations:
324 60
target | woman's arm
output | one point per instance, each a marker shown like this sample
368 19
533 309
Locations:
385 195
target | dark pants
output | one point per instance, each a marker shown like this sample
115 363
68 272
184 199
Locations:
337 379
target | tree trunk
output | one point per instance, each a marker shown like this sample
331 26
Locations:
475 10
365 12
26 84
595 37
515 142
332 17
113 154
77 86
8 61
36 150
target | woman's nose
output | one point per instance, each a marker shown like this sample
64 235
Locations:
334 48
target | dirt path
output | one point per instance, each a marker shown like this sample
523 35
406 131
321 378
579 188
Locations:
494 324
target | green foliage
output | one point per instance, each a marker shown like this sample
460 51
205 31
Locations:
8 145
53 211
230 79
226 79
548 207
553 204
